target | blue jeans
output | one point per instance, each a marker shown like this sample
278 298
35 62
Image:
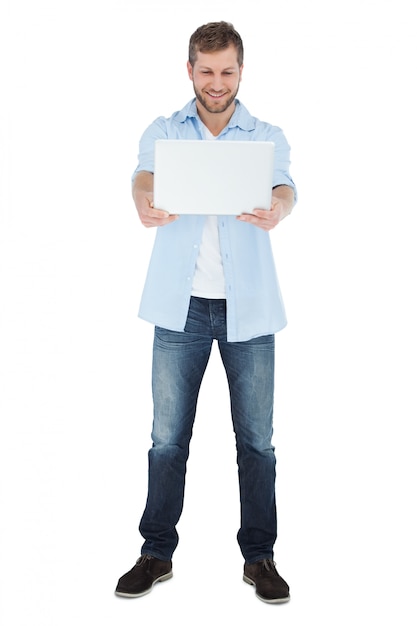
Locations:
179 363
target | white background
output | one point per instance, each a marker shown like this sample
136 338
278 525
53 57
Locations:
80 81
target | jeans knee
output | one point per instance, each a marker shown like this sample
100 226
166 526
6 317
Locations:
168 455
259 450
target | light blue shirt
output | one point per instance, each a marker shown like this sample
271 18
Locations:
254 302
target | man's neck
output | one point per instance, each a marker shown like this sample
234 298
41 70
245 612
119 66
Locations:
215 122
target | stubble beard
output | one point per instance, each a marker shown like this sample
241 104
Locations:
215 109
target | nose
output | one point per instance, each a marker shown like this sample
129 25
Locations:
217 82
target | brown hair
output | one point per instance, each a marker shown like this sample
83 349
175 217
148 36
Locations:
213 37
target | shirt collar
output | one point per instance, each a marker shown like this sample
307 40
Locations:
241 116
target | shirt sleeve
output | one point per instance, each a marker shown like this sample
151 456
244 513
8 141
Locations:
282 161
156 130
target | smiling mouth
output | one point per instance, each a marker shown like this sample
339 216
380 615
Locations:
215 96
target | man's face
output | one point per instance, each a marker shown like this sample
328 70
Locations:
216 77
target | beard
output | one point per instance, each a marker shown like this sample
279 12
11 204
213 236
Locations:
215 108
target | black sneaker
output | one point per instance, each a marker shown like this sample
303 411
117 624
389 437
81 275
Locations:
269 585
145 573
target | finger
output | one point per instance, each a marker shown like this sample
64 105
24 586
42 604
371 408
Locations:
252 219
150 221
158 213
260 222
266 214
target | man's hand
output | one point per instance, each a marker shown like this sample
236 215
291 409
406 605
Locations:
143 197
281 204
150 217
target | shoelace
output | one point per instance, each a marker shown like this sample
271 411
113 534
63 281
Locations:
144 557
269 564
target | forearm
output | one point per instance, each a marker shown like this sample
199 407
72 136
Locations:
142 188
285 194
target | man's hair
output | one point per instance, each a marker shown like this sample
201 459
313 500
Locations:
213 37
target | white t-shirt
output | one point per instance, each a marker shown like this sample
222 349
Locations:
208 279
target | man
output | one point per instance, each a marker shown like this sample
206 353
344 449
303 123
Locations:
211 279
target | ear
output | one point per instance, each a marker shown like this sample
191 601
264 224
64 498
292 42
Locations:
240 72
190 70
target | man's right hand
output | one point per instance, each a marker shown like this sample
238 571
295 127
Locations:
143 197
150 217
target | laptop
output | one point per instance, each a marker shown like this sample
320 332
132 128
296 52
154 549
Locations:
213 177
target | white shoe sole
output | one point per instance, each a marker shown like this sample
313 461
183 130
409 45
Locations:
143 593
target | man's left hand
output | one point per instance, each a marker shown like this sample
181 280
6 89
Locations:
264 218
